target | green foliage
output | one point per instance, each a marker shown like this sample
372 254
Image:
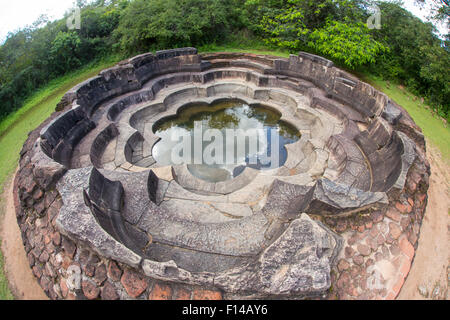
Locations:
416 57
300 14
405 49
149 24
15 128
65 52
350 43
435 78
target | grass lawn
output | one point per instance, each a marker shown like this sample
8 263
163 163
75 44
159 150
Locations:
15 128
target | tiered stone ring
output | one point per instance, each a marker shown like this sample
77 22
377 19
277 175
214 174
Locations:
339 218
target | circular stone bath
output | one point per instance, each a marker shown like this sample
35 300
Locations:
225 124
105 213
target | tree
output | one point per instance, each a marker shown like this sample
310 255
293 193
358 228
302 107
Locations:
348 42
435 75
416 56
99 22
32 56
65 52
405 49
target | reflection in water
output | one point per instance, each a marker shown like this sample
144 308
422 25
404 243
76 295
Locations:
226 116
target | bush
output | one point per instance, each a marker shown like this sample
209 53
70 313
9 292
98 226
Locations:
65 52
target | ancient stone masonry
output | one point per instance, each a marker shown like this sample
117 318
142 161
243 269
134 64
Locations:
340 219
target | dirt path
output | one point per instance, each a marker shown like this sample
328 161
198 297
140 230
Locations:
428 278
21 280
